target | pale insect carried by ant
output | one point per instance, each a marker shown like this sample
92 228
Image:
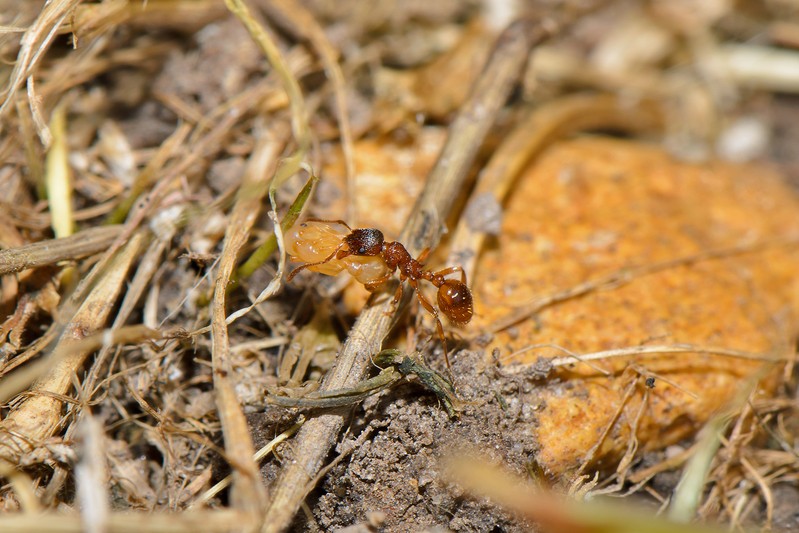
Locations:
331 246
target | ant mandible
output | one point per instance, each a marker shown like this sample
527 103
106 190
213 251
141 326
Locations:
325 247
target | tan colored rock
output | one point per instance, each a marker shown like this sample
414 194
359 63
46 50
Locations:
594 207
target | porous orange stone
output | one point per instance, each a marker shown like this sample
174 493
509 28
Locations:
591 207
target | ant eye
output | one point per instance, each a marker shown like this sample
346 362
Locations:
455 301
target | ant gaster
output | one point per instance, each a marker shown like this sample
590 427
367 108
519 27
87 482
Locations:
454 297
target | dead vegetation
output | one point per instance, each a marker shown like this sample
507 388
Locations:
636 305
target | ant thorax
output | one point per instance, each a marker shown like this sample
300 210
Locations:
314 241
396 256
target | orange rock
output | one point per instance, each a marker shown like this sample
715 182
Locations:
592 207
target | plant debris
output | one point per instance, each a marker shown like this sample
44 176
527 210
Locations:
395 366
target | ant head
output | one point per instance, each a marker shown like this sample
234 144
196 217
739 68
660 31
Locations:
455 301
364 242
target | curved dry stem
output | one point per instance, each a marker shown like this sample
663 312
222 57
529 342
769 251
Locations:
34 44
299 114
627 275
127 522
301 22
82 244
529 138
654 349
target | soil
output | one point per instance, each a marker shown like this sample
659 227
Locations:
394 476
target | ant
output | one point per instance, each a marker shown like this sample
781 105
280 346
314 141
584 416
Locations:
325 247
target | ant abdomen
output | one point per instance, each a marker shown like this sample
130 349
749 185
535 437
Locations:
455 301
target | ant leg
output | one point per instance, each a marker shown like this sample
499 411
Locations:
449 270
430 308
329 221
398 293
307 265
374 284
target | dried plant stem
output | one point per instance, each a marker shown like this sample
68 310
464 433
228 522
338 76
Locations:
674 348
762 67
531 136
206 521
35 42
305 25
627 275
552 512
58 177
299 114
423 229
39 416
82 244
248 493
652 349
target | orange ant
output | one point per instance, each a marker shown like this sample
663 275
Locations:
325 247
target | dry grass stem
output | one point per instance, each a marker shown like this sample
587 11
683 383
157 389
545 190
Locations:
552 512
58 177
210 521
300 21
622 277
538 129
78 246
248 492
644 350
35 43
762 67
299 114
37 417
